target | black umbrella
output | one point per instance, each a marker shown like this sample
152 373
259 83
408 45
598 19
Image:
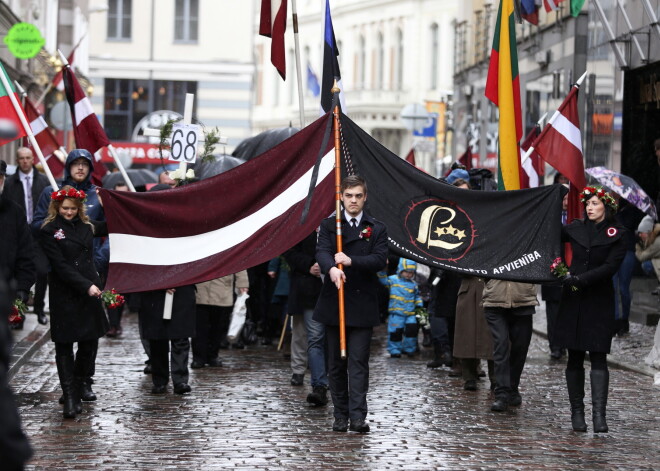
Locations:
138 176
222 163
257 145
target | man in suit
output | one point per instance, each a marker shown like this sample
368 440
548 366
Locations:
364 254
24 188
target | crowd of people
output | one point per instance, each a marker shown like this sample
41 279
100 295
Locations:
470 318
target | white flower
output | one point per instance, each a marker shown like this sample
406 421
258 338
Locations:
190 174
177 174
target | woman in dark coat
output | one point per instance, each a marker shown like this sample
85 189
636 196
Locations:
586 314
76 312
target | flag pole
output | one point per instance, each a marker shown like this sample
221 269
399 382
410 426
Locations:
28 129
340 245
529 151
111 149
301 103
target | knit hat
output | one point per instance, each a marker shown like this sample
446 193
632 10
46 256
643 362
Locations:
646 225
456 174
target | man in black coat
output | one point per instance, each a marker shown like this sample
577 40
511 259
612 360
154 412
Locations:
24 188
364 254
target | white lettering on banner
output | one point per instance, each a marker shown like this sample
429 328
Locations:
522 261
435 262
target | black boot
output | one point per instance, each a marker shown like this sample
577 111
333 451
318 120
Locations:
85 389
65 372
600 382
426 341
437 357
575 385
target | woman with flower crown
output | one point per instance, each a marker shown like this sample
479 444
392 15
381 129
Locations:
77 315
586 313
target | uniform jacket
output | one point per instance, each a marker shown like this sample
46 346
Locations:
16 248
361 287
16 192
220 292
472 336
586 317
75 316
509 294
182 323
305 287
404 294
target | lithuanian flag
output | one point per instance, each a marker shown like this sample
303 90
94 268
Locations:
503 89
7 110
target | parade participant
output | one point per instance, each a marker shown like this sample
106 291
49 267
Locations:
214 299
586 314
364 254
76 312
509 308
24 188
278 272
308 335
402 326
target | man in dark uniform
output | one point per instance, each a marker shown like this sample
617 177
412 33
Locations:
364 254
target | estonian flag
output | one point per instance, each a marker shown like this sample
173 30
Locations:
330 65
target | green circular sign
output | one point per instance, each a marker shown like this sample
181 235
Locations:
24 40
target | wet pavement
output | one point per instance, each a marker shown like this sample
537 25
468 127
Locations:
245 415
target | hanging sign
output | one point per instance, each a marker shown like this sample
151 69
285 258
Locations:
24 40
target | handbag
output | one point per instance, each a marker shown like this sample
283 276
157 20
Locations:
237 317
249 332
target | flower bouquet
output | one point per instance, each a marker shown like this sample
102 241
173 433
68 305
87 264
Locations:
17 314
422 316
111 299
560 270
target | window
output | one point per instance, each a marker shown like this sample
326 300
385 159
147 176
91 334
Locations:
381 62
119 19
362 62
434 56
399 60
186 20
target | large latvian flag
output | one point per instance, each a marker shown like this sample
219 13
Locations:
560 144
510 235
87 129
7 110
330 65
44 137
223 224
272 24
503 89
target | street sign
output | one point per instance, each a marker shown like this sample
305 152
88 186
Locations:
184 142
430 130
24 40
60 116
415 117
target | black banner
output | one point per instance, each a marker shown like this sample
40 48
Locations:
509 235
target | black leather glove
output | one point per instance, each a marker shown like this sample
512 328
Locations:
572 280
22 295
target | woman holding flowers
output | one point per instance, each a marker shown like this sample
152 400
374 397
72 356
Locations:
586 313
77 315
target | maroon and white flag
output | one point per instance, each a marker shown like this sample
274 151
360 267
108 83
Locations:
533 166
551 5
223 224
44 137
57 79
272 24
87 129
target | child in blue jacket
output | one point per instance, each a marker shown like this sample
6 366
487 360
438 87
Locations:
402 326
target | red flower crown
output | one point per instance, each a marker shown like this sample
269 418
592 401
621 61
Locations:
601 194
70 193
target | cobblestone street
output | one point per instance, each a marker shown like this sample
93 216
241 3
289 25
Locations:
247 416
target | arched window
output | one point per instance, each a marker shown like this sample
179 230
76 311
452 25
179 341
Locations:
435 50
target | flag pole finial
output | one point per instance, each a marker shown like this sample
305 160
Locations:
335 88
63 58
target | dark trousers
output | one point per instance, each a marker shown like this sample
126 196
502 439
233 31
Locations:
212 325
552 312
442 331
85 356
114 317
512 333
178 361
349 379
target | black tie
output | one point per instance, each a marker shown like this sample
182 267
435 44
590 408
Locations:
353 223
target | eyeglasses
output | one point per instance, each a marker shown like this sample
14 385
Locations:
82 163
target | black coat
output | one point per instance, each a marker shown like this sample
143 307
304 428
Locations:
361 287
444 294
16 192
305 287
182 323
16 249
75 316
586 317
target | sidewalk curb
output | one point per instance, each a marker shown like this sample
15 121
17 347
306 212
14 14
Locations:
22 351
643 370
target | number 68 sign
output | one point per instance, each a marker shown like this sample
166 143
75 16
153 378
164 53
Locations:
184 142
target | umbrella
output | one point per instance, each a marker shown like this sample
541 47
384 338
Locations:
138 176
222 163
625 187
257 145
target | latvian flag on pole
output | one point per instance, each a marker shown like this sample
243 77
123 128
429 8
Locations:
7 110
223 224
47 142
560 144
86 127
272 24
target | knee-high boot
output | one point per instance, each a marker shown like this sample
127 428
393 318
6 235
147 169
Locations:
575 385
84 369
600 382
65 372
